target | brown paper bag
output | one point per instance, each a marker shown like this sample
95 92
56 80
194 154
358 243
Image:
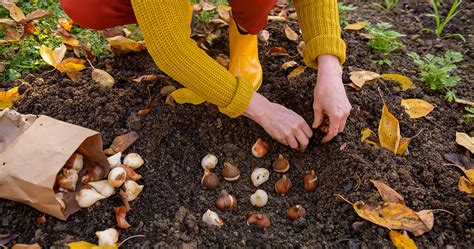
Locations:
32 152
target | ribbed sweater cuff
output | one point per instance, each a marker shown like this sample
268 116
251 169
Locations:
321 45
241 100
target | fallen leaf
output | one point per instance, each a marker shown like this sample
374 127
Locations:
300 48
387 193
277 18
223 60
417 108
464 185
71 41
405 82
53 57
391 215
277 51
121 143
6 238
461 160
401 241
72 67
290 33
366 133
7 98
427 216
7 22
297 71
36 14
12 35
403 145
186 96
359 78
124 44
367 36
206 6
102 77
148 77
464 102
84 245
224 12
289 64
264 35
389 131
15 12
465 140
29 29
26 246
167 90
355 26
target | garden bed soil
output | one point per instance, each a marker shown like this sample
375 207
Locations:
173 139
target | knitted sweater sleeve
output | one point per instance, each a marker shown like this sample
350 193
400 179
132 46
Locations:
319 22
167 32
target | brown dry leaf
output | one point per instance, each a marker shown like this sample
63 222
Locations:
300 48
290 33
223 60
264 35
277 18
36 14
405 82
277 51
427 216
147 109
124 44
417 108
186 96
6 22
465 140
387 193
15 12
389 131
464 102
53 57
167 90
289 64
206 6
148 77
12 35
224 12
297 71
121 143
7 98
355 26
460 160
391 215
464 185
359 78
401 241
26 246
102 77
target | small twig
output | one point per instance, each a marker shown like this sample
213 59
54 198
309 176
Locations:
344 199
131 237
442 210
381 95
90 63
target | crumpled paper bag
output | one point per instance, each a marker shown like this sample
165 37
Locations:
33 149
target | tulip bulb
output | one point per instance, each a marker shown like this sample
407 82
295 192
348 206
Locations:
226 201
230 172
260 148
283 185
261 220
120 213
117 177
212 218
281 164
94 173
259 176
103 187
310 181
75 162
209 162
114 161
133 160
210 180
132 189
131 174
87 196
60 199
67 179
107 238
259 198
296 212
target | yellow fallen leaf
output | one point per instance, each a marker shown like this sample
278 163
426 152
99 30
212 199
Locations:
359 78
26 246
389 131
417 108
387 193
355 26
289 64
290 33
15 12
391 215
297 71
124 44
186 96
66 24
405 82
401 241
465 140
366 133
71 64
224 12
464 185
87 245
71 41
403 145
427 216
103 78
53 57
464 102
7 98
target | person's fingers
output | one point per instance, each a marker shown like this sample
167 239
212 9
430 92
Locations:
306 129
302 140
318 117
333 128
292 141
342 124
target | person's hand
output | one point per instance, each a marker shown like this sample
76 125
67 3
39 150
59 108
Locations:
330 97
282 124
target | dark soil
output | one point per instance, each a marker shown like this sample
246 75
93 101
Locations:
173 139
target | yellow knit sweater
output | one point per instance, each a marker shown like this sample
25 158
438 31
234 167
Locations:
166 30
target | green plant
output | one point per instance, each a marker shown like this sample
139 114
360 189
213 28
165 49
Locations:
343 9
434 71
388 5
469 116
383 62
384 40
440 25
